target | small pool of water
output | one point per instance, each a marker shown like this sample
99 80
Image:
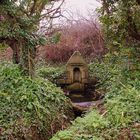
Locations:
80 97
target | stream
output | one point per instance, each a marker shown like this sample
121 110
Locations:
81 102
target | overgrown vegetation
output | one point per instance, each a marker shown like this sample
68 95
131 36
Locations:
119 117
121 25
20 28
30 108
51 72
36 108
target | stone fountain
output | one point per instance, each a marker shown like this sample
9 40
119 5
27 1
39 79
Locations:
77 83
76 77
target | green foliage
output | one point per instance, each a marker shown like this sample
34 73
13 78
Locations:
49 72
123 106
30 106
107 71
121 24
121 116
119 77
20 28
3 47
20 21
83 128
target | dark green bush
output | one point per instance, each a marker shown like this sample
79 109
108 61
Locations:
49 72
30 107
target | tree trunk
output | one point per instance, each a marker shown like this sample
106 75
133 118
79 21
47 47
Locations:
16 53
27 60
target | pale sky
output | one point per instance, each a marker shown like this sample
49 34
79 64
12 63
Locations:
81 6
74 9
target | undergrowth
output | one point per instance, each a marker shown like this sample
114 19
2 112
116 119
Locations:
30 108
50 72
119 116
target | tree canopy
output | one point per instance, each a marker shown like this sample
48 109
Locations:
20 24
121 23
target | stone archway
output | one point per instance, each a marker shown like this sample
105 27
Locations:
77 76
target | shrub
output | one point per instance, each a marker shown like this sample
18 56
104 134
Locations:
83 128
82 35
30 107
49 72
123 107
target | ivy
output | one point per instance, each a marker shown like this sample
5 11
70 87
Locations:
27 104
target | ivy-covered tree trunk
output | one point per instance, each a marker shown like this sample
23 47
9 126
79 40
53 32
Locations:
28 60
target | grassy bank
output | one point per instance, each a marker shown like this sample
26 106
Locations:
30 108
